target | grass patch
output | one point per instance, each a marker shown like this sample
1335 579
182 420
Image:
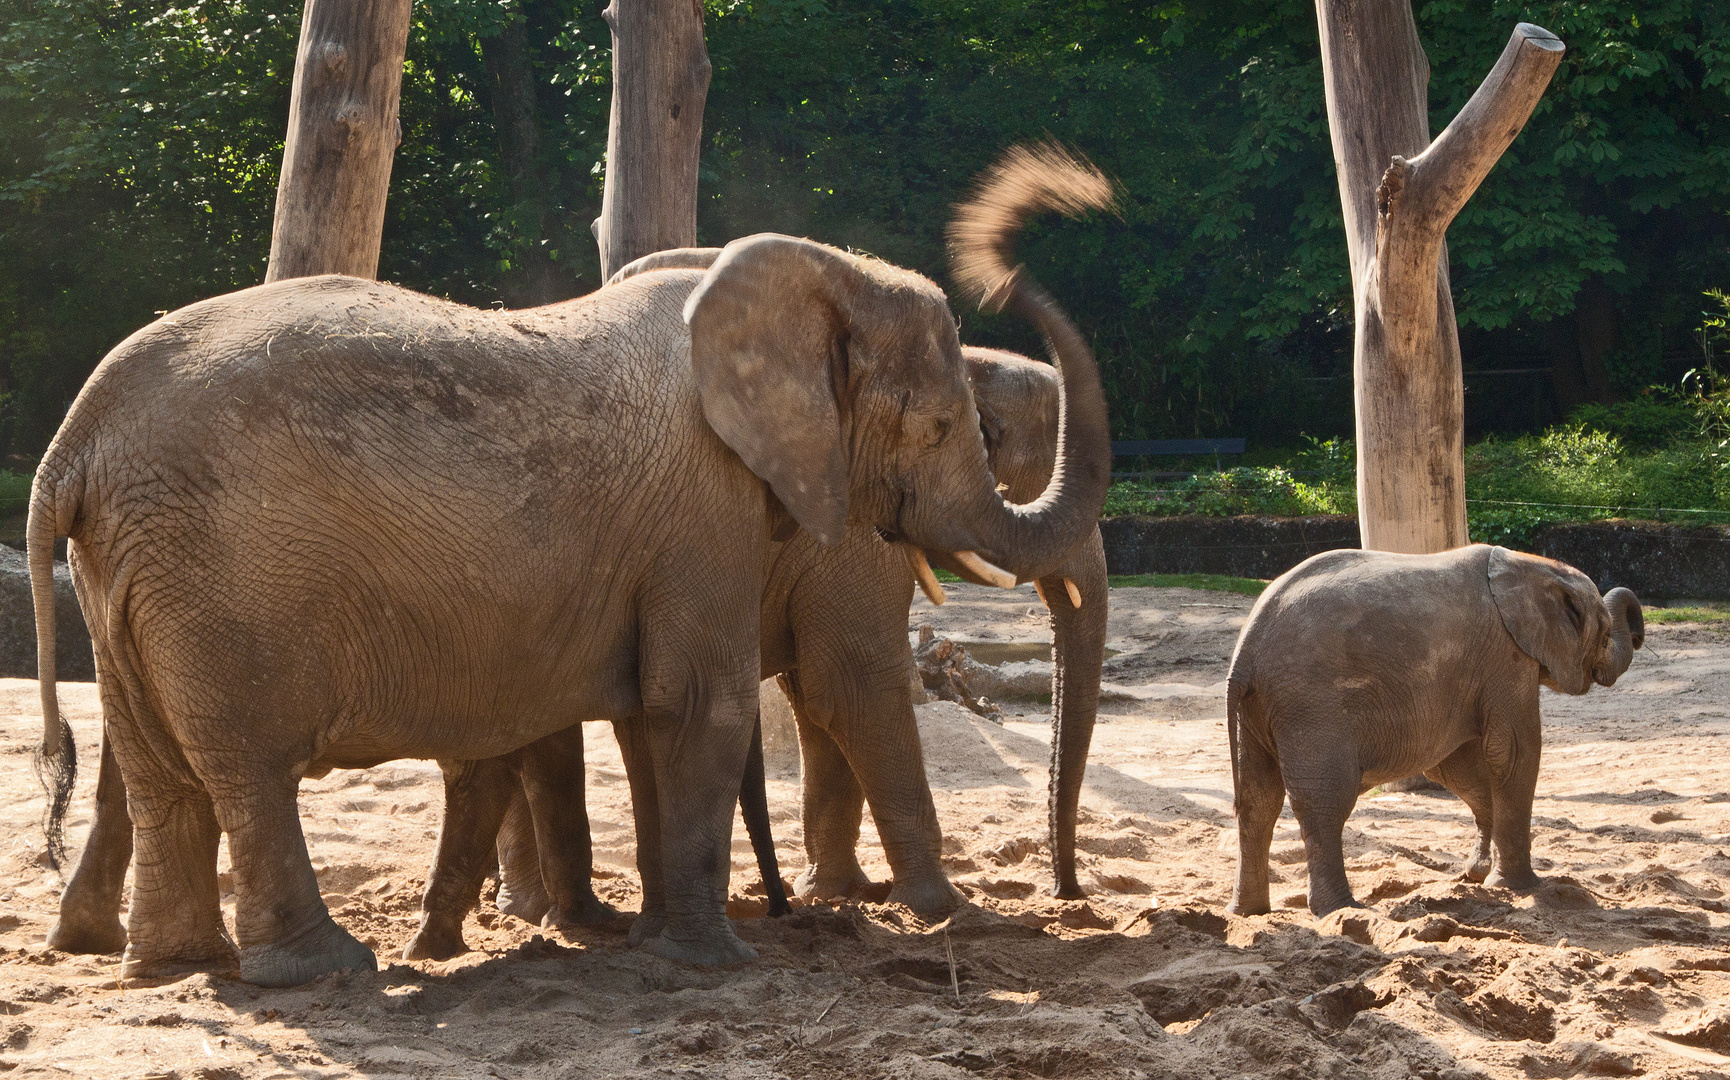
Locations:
1243 586
1709 615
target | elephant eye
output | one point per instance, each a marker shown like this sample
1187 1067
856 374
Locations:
939 431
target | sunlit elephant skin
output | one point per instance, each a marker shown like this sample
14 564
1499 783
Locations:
317 521
1359 667
834 629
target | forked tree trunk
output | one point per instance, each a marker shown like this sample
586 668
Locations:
342 136
660 81
1399 192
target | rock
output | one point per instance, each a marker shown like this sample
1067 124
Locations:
75 661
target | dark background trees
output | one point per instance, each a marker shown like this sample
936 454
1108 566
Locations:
139 150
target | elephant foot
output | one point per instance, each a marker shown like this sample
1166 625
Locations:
1248 907
718 946
929 899
1318 908
217 956
1476 871
589 910
1069 890
814 883
439 938
646 928
1520 881
99 935
529 905
324 948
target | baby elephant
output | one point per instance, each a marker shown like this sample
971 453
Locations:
1360 667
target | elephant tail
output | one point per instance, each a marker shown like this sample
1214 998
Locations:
57 760
1026 181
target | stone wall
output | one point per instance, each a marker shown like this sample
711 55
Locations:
1658 561
73 659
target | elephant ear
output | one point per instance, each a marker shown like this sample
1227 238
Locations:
671 259
1541 606
769 327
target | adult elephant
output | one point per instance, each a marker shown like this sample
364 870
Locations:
326 522
834 628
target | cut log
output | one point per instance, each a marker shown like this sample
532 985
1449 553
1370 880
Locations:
1399 192
660 83
342 137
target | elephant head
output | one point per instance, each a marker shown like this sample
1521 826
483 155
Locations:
839 379
1556 617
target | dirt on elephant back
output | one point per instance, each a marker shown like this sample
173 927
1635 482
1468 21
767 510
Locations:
1619 966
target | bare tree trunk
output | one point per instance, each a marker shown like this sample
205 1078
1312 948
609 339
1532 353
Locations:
1399 192
537 280
342 136
660 81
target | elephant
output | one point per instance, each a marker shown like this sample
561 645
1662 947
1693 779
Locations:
547 776
834 630
327 522
1355 668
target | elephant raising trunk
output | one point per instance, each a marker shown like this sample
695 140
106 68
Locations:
1032 540
1627 633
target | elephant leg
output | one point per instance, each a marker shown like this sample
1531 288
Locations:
1464 774
699 704
1511 761
522 892
476 795
287 936
89 919
1258 795
1321 800
646 814
833 805
552 778
175 923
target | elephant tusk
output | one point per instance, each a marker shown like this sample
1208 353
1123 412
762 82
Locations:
928 582
995 575
1040 589
1074 593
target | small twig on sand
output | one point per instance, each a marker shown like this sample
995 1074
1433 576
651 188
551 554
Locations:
948 948
827 1007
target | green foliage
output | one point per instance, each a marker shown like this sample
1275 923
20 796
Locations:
139 149
1209 582
1651 419
1244 490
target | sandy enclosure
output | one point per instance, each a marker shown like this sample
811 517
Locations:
1620 966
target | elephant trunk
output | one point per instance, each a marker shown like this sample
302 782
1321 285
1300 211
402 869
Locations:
1078 649
1627 633
1031 541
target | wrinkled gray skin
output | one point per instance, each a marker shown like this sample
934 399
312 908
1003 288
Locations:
1359 667
327 522
834 627
532 801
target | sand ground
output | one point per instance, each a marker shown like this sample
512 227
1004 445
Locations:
1620 966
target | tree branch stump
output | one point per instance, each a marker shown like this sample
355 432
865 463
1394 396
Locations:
342 137
1399 192
660 83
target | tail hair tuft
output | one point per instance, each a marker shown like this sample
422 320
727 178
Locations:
1028 179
